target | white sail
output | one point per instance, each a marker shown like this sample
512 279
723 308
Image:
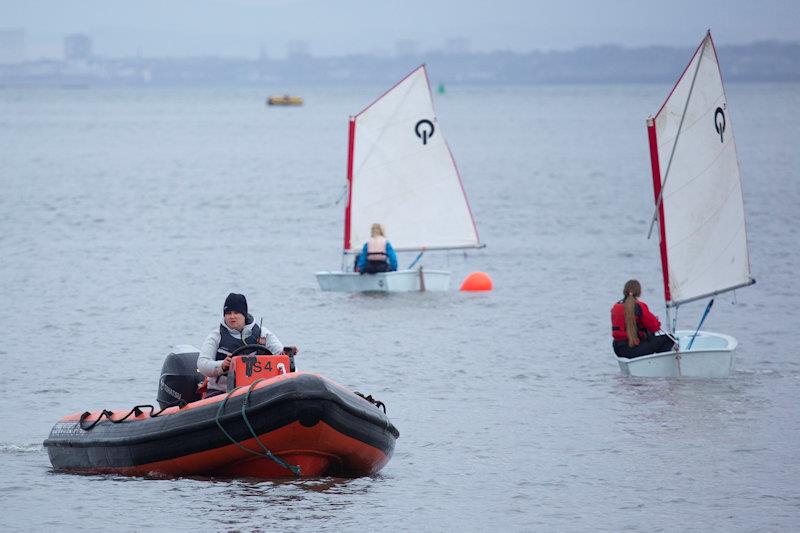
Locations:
696 178
402 175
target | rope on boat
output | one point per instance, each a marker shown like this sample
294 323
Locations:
136 411
373 401
268 454
86 415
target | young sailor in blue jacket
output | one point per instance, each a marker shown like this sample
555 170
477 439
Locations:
377 255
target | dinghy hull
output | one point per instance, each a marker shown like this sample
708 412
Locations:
304 419
711 356
399 281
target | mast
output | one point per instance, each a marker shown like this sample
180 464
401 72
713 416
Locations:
662 238
350 145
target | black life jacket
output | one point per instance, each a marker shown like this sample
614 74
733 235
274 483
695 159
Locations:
228 343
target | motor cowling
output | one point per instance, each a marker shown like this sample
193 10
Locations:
179 377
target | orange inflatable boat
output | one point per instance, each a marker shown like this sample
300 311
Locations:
276 423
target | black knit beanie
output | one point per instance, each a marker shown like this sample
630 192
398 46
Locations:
235 302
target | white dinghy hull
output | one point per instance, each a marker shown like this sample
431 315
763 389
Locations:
711 356
399 281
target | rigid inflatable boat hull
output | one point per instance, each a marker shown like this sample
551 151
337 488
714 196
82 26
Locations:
305 419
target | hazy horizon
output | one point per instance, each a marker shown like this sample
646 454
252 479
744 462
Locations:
247 28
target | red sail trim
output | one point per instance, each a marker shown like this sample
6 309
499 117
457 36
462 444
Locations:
716 60
455 166
466 200
656 169
730 125
703 42
422 66
350 147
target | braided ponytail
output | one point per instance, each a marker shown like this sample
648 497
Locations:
631 292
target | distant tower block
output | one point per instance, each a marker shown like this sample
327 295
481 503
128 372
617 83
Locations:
77 47
297 49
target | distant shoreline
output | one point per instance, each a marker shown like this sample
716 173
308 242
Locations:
757 62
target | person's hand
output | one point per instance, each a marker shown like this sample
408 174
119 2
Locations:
262 341
226 364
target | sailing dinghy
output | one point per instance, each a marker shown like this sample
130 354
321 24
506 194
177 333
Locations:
401 174
700 215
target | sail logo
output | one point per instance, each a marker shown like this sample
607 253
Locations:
424 130
719 122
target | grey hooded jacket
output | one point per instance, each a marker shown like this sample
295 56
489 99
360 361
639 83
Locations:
209 366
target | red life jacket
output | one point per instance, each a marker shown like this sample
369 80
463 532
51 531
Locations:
618 331
376 249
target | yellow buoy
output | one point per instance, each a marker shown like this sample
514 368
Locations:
477 281
285 99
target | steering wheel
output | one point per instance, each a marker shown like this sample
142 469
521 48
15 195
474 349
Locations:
247 347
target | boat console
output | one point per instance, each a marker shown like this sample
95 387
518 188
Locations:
182 383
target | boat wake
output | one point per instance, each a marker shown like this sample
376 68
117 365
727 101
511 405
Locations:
21 449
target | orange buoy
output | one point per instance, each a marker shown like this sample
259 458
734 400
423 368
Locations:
477 281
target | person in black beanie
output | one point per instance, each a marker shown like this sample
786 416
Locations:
237 329
235 302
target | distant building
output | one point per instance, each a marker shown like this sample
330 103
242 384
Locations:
12 45
77 47
297 49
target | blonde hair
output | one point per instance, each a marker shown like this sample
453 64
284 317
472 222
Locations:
376 230
631 292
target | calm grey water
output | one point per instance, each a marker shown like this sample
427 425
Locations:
126 216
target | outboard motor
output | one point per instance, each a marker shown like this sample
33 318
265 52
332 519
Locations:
179 377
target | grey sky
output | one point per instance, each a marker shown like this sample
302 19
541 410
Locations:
242 27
